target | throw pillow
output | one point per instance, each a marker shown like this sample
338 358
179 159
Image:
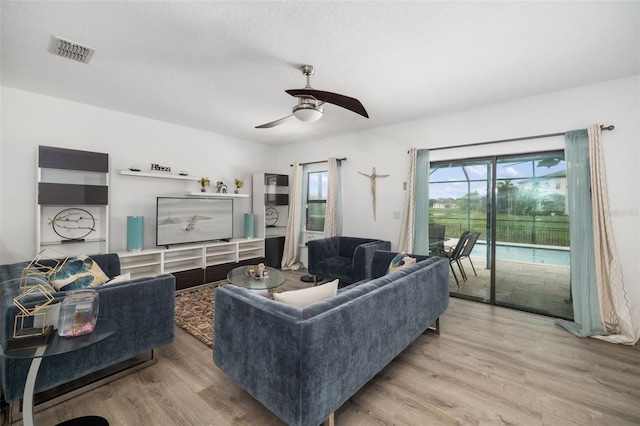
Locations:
401 260
307 296
119 278
78 272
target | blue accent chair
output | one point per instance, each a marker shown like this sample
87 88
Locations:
144 309
345 258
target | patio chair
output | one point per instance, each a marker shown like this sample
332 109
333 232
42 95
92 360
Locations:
436 238
454 256
473 238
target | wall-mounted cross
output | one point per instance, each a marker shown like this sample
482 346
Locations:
373 176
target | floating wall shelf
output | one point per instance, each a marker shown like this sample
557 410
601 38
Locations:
217 195
162 175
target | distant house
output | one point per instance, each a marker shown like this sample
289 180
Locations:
445 203
550 184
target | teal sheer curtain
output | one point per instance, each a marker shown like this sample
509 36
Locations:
421 231
584 291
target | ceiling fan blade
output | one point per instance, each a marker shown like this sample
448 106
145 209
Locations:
352 104
274 123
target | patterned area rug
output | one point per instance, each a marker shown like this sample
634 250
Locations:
195 309
194 312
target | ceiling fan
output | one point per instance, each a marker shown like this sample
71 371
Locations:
310 101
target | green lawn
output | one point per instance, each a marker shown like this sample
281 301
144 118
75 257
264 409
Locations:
545 230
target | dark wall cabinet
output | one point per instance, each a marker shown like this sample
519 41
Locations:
196 277
274 247
72 212
276 190
271 211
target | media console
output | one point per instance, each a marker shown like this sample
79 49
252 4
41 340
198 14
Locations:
194 264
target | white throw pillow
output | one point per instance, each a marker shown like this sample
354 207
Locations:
307 296
119 278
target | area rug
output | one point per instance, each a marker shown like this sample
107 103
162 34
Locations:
194 312
195 309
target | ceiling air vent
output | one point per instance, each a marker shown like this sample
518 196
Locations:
69 49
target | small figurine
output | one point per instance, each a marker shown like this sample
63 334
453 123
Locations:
221 188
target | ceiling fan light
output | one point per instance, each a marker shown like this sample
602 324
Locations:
307 113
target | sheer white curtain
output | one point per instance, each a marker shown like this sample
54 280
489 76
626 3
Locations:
615 309
333 212
405 242
292 236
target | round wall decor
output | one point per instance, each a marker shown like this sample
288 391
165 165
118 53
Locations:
73 223
270 216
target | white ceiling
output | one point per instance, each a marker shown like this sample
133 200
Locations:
223 66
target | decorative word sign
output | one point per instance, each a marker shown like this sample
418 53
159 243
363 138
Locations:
159 168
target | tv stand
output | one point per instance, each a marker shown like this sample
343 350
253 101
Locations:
195 264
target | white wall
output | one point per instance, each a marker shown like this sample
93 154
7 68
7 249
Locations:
29 120
615 102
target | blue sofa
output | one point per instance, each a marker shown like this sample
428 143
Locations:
303 364
345 258
142 307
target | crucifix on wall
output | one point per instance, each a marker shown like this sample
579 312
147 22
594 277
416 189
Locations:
373 176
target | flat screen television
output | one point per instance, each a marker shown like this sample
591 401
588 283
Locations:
181 220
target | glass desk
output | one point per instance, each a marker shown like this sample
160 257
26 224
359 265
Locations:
239 277
58 346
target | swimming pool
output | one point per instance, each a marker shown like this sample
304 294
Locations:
546 256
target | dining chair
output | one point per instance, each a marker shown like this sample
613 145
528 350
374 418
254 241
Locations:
436 238
466 252
454 256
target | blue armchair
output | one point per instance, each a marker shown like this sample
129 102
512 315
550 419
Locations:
143 307
346 258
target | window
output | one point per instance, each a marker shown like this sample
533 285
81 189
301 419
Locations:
316 200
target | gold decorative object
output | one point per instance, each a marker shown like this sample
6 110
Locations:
258 272
35 279
42 310
39 270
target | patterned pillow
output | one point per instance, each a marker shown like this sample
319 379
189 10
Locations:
78 272
401 260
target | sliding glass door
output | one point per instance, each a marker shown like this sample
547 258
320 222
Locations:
518 205
532 234
460 201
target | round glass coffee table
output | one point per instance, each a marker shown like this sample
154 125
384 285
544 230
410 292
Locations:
238 276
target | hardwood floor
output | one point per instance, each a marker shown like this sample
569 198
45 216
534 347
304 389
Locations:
490 366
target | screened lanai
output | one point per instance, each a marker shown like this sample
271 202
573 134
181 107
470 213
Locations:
518 205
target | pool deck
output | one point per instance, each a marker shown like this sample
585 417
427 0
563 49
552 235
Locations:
534 287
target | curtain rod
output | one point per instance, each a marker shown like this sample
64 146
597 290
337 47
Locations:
549 135
321 161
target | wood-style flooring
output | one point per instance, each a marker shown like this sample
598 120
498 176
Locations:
490 366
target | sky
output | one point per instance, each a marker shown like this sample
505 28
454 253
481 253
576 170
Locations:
452 182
